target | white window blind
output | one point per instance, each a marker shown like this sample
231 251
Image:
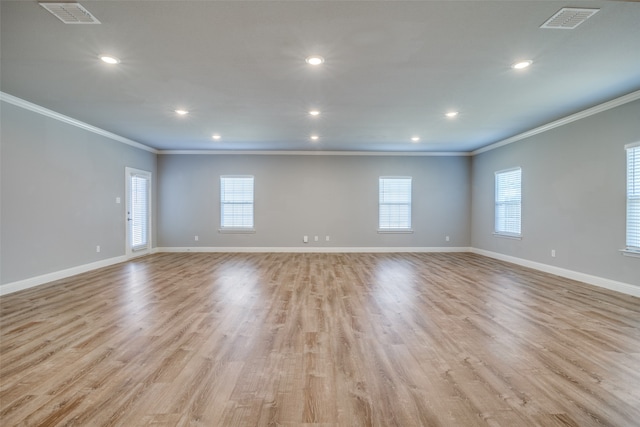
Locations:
236 202
139 212
394 203
633 198
508 198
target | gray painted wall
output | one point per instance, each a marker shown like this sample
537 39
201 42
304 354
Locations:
312 195
574 189
59 187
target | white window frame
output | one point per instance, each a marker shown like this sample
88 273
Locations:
236 228
632 229
500 202
407 229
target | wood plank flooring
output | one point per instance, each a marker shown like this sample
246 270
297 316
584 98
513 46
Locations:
201 339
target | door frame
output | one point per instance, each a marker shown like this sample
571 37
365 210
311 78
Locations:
129 252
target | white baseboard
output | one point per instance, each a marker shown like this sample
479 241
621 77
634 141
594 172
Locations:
31 282
613 285
314 249
57 275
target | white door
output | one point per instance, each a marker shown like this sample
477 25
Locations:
138 207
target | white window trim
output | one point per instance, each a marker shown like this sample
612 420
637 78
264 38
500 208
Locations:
237 230
407 230
632 145
629 251
505 234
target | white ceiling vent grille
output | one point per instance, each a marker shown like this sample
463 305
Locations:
568 18
70 13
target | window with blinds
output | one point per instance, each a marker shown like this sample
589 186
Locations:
508 199
633 198
236 202
394 204
139 212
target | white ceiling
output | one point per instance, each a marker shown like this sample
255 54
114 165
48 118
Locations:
392 70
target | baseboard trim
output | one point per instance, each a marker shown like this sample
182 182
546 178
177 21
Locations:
625 288
613 285
57 275
312 249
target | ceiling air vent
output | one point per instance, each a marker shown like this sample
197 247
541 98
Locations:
70 13
568 18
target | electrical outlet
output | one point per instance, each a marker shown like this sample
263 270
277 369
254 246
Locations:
118 200
98 248
315 238
196 238
326 238
446 238
305 239
553 253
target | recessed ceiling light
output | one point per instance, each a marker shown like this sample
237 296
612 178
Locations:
415 138
315 60
314 137
181 112
314 112
109 59
215 136
451 114
521 65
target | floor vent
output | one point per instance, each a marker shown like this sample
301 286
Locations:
70 13
568 18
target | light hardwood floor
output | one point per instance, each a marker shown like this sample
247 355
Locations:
319 339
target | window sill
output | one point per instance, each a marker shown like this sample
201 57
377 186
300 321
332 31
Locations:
630 252
508 236
395 231
237 230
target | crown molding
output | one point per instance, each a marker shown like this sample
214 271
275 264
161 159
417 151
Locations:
625 99
18 102
563 121
321 153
